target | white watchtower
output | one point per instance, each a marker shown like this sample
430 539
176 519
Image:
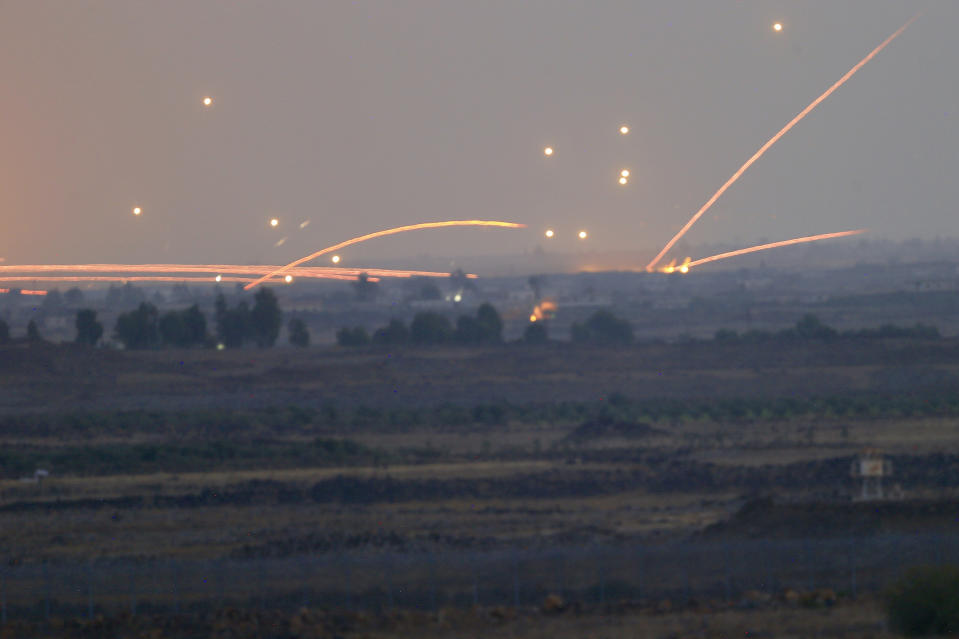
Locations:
870 467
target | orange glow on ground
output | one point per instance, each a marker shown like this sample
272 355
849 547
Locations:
543 310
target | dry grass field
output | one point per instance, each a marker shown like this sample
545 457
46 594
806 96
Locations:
230 456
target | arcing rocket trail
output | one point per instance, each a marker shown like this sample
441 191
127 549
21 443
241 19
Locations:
771 245
393 231
758 154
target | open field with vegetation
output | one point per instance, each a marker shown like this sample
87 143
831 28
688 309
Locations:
239 456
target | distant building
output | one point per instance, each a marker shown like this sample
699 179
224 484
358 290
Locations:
870 468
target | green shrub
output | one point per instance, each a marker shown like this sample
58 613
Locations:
925 601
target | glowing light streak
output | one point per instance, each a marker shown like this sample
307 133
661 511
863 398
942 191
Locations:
121 278
393 231
765 147
772 245
317 272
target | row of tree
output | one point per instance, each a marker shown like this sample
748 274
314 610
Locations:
427 328
33 332
486 327
145 327
810 327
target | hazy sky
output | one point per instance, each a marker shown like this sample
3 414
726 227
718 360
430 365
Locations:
364 115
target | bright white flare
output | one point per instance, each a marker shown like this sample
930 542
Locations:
335 259
137 210
549 233
582 235
207 101
623 130
548 151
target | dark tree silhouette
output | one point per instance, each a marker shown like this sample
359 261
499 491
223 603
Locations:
430 328
234 326
299 334
33 332
172 331
265 318
366 291
183 328
138 329
220 311
393 334
194 325
461 282
89 330
602 327
490 323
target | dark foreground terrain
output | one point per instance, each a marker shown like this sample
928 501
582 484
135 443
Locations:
660 489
